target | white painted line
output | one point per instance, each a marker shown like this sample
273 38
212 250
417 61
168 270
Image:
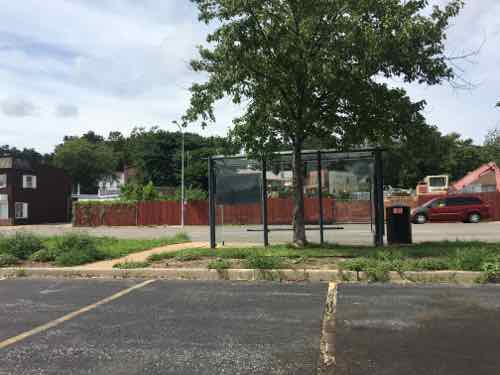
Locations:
327 344
65 318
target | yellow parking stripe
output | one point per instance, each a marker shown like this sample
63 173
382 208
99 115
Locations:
65 318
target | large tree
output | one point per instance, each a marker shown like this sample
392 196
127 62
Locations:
316 68
85 162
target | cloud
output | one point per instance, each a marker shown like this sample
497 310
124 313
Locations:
18 107
66 110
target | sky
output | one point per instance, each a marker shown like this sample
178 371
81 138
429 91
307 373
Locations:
70 66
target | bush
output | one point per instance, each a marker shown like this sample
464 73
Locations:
21 245
219 264
264 262
130 265
76 249
8 260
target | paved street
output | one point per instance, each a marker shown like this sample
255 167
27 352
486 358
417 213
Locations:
168 327
351 234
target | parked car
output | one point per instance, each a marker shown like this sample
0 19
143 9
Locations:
456 208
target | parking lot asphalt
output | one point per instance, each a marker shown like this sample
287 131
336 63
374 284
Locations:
187 327
356 234
424 330
165 328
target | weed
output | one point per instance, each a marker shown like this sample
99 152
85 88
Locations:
491 272
131 265
378 271
219 264
43 255
21 245
77 249
187 257
264 262
8 260
472 259
21 273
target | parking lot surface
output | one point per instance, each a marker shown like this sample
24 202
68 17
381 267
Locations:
424 330
166 328
186 327
359 234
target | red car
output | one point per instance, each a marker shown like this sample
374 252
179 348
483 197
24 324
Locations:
452 208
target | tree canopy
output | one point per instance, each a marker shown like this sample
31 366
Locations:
85 162
316 68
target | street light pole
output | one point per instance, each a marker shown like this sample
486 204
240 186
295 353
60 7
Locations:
182 175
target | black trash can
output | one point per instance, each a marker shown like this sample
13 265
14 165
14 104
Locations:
398 225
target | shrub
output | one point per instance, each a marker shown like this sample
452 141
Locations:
130 265
8 260
264 262
76 249
21 245
219 264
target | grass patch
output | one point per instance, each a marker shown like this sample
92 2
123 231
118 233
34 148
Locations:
377 263
131 265
76 249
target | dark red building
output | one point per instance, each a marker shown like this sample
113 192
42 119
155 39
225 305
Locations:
33 193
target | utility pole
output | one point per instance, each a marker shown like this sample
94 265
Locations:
182 175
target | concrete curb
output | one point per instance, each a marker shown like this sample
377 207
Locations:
285 275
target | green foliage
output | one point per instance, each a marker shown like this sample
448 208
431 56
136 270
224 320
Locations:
8 260
219 264
491 272
187 257
131 265
76 249
309 69
264 262
21 245
134 192
190 194
472 259
43 255
85 161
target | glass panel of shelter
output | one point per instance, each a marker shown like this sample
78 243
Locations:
238 195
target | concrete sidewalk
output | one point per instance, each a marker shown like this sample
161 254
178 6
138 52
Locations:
143 255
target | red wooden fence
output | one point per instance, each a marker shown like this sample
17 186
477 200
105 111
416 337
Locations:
280 212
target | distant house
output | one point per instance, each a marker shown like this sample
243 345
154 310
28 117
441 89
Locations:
33 193
109 188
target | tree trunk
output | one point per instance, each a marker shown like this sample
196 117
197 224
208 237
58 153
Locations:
299 230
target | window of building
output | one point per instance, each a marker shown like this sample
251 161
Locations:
21 210
29 182
3 181
4 207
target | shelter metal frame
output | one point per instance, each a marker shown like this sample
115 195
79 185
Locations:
376 193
